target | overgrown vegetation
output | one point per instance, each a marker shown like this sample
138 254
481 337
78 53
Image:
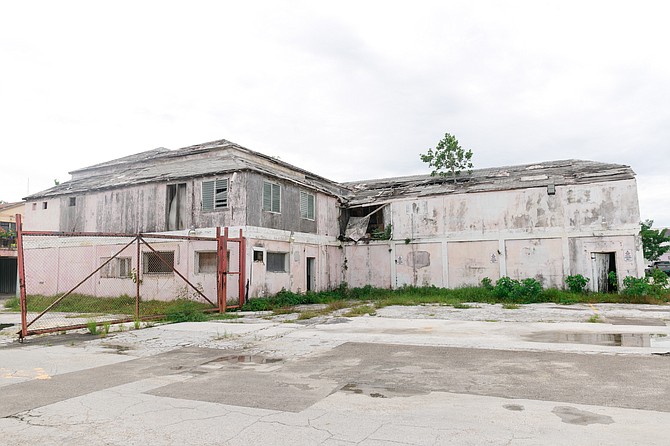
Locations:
577 283
366 300
654 241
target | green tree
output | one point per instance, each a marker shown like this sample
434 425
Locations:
448 158
653 240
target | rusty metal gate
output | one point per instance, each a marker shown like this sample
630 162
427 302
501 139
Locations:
73 280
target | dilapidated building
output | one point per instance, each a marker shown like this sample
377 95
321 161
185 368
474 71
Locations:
305 232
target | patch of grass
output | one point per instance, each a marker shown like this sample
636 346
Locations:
186 311
13 304
92 327
508 306
594 319
309 315
360 310
461 306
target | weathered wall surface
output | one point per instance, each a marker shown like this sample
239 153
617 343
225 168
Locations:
368 265
597 206
39 219
289 219
457 240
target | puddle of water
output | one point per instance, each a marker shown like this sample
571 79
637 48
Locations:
572 415
609 339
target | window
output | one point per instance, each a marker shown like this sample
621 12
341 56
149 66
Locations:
258 255
271 197
175 208
207 262
73 201
277 262
44 204
34 206
152 263
215 194
306 206
118 267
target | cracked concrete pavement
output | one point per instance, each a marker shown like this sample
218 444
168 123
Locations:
427 375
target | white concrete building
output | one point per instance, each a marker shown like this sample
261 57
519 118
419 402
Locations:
305 232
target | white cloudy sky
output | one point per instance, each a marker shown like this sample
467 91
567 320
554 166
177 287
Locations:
347 89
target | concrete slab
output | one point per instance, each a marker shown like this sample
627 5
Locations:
410 376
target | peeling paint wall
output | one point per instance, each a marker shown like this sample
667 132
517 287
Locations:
457 240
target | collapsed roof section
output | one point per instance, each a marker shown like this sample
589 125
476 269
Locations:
547 174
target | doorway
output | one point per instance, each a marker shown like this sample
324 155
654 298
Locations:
604 263
311 274
8 268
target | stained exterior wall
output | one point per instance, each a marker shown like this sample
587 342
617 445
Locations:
457 240
143 208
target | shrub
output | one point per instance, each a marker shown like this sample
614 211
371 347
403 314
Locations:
487 283
633 286
577 283
512 290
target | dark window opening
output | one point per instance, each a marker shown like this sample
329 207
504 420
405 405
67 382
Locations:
44 204
258 256
277 262
176 207
73 201
161 262
207 262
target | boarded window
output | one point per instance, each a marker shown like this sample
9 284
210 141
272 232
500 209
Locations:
306 206
118 267
215 194
277 262
158 262
207 262
271 197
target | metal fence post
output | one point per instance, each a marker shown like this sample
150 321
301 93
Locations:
22 278
137 280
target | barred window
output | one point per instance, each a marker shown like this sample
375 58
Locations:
118 267
152 263
215 194
306 206
271 197
276 262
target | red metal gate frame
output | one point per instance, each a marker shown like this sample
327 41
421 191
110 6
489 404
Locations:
222 271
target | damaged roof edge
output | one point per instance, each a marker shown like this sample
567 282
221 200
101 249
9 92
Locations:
64 189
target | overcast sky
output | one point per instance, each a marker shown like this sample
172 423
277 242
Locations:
348 90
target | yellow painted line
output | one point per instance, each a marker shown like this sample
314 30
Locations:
36 373
595 310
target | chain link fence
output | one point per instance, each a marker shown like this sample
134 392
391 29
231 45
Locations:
91 280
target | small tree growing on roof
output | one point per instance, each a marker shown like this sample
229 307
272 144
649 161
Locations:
448 158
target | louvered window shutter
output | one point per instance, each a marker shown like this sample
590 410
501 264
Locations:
207 195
